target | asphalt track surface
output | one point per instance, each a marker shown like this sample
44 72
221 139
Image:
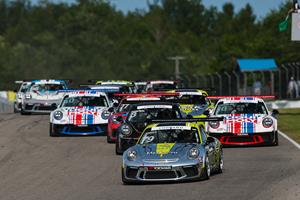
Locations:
35 166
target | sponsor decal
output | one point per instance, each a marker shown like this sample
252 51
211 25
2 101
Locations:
241 124
82 115
164 148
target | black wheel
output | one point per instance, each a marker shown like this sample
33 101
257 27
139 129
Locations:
276 143
24 112
109 140
219 169
206 171
52 131
118 144
15 109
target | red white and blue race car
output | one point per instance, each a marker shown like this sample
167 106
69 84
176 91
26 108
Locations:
83 112
247 121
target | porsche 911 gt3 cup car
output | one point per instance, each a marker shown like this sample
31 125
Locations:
247 121
42 96
81 113
172 151
193 102
121 111
20 94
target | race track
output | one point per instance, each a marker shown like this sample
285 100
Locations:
35 166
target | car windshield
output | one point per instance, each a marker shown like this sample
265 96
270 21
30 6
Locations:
163 86
84 101
191 99
142 115
240 108
169 136
47 87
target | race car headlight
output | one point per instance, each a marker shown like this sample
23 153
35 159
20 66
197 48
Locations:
27 96
58 115
105 114
131 155
19 96
267 122
193 153
214 125
126 130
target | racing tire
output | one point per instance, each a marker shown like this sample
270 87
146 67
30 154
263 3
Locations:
25 113
15 109
118 149
220 166
52 131
109 140
206 173
275 143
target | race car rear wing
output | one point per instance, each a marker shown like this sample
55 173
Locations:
250 96
90 90
207 119
156 94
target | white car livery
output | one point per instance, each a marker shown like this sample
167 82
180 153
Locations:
247 121
42 96
20 94
83 112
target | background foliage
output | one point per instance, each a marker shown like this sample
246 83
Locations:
92 40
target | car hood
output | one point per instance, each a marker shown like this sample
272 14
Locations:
164 150
85 115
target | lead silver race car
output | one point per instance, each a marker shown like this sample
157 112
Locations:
42 96
172 151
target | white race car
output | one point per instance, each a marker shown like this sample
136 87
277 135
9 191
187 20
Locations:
42 96
247 121
20 94
81 112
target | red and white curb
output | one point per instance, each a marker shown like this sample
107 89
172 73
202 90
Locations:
289 139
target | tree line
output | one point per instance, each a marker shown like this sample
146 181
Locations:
91 39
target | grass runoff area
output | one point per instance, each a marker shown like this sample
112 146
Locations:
289 123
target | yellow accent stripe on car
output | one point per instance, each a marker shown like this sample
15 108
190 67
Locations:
164 148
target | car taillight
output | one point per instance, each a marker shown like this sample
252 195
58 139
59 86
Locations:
214 125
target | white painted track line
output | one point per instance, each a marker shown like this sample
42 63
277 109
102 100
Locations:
289 139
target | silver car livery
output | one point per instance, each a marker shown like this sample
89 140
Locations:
42 96
20 94
172 151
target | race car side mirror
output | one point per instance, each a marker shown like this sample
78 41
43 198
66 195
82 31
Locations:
207 113
275 112
111 109
119 119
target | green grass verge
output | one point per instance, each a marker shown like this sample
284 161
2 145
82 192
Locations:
289 123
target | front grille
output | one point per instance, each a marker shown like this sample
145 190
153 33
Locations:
241 139
81 129
131 173
191 171
49 108
160 175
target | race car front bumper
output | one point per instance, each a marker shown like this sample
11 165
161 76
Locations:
39 106
70 129
154 173
255 139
